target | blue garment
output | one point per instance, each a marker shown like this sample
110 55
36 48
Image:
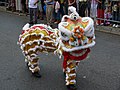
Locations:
50 2
44 8
61 9
57 15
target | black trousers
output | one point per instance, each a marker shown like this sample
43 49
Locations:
82 8
33 15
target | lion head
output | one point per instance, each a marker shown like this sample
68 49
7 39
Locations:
76 33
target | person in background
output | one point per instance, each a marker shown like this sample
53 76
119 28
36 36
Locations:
43 4
18 6
13 8
61 7
24 10
72 3
100 12
66 6
9 5
32 5
115 13
93 10
40 10
57 11
107 4
49 11
82 7
119 12
107 16
88 7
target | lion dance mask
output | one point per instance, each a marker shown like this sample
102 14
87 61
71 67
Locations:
73 40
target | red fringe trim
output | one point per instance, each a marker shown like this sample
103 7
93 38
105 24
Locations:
68 56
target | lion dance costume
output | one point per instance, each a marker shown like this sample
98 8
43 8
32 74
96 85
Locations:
73 39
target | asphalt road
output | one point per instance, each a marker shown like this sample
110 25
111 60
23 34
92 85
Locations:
101 71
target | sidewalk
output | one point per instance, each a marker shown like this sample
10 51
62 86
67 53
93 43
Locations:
3 8
106 29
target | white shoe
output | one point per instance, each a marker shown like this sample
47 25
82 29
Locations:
101 23
97 24
113 25
116 26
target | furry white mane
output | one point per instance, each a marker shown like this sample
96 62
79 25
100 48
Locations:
73 15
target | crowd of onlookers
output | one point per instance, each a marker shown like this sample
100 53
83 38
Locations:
104 12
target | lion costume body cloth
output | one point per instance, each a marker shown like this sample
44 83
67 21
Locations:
72 39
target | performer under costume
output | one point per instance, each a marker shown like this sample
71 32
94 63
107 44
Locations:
77 36
73 39
35 39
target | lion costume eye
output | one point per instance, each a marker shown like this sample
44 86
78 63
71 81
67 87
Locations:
64 36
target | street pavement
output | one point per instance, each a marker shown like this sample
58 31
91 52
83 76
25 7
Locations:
101 71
